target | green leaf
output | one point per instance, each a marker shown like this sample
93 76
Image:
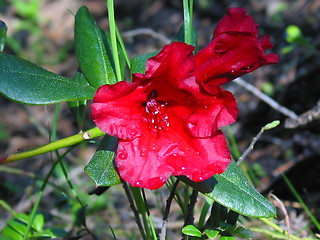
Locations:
17 226
38 222
91 51
226 238
205 186
211 233
11 233
22 217
25 82
242 233
180 37
101 167
3 35
77 108
191 230
234 191
138 63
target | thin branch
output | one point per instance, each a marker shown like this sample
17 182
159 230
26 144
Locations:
190 213
272 103
146 31
167 210
256 138
311 115
278 203
135 211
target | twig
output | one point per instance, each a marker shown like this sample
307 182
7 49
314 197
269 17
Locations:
146 31
272 103
278 203
135 211
255 139
167 210
303 119
193 200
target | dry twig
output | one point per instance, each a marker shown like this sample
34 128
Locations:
272 103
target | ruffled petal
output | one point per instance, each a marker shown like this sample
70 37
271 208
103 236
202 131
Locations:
236 20
170 66
229 56
234 50
212 109
117 109
212 158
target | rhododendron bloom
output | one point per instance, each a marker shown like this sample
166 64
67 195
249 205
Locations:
166 124
168 119
235 50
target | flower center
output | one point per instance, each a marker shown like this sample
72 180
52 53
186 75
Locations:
155 113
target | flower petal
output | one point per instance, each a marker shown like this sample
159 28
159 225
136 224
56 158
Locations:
242 55
117 109
212 158
234 50
236 20
170 66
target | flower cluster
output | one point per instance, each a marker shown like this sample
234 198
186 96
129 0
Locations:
168 119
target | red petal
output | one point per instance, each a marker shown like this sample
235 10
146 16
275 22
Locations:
236 20
117 109
212 158
170 66
243 55
220 109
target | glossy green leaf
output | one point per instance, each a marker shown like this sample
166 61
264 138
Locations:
19 227
91 51
211 233
22 217
191 230
77 108
242 233
234 191
3 35
25 82
11 233
226 238
205 186
38 222
138 63
101 167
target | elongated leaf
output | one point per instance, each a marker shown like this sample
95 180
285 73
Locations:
234 191
101 168
3 35
138 63
25 82
91 51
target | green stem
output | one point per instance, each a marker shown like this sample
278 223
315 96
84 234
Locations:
305 207
114 47
125 53
62 143
277 228
187 15
36 205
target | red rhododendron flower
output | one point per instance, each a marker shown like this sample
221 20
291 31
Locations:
166 123
234 50
168 119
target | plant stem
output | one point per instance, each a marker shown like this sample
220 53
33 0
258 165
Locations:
62 143
187 23
305 207
134 210
113 35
